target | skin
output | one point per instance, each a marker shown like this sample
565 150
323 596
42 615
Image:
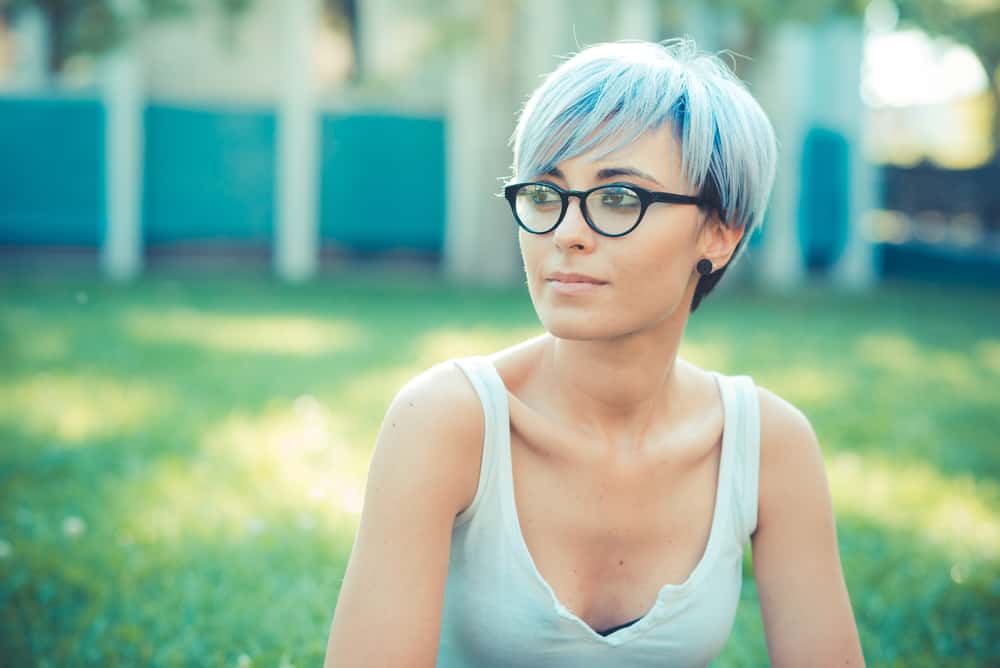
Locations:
605 418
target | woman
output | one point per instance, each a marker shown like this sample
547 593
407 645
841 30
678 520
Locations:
584 498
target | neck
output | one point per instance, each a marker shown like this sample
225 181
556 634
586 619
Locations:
617 389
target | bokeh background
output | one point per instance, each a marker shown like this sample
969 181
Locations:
231 230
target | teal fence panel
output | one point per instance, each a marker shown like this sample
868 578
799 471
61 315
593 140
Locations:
382 183
939 264
824 199
51 172
209 176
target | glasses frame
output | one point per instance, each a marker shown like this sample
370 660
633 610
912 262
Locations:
646 197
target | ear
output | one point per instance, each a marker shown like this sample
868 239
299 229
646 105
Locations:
718 242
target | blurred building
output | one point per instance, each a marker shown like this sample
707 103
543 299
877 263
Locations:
301 132
929 120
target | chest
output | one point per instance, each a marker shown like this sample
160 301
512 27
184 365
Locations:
607 541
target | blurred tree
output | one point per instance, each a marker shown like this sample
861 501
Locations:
342 16
760 17
94 26
975 23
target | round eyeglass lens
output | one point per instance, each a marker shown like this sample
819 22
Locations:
538 206
614 209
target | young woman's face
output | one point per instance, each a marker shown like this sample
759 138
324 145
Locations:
644 276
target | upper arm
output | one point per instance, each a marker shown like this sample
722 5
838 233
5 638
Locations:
423 472
803 597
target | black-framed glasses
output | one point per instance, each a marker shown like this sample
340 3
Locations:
613 210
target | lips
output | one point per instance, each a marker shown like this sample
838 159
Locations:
569 285
562 277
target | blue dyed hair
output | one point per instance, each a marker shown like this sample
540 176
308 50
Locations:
617 91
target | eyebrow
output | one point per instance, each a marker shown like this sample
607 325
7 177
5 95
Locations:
610 172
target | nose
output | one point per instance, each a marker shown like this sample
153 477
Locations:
573 231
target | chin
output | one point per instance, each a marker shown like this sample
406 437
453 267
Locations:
578 325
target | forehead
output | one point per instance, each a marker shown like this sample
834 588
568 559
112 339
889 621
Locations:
656 152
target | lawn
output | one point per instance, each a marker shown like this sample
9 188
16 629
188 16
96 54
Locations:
182 460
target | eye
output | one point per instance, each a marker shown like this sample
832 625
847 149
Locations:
618 197
539 195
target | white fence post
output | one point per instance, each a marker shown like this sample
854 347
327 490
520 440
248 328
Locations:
842 46
121 252
480 236
31 53
782 84
296 251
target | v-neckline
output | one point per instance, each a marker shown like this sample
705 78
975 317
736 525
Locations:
621 634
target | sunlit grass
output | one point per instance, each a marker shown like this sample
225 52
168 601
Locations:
26 341
706 354
808 385
71 408
898 354
441 344
376 387
988 354
290 455
243 333
960 516
184 462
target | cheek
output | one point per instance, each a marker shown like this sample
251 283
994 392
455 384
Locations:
532 254
531 259
654 281
661 257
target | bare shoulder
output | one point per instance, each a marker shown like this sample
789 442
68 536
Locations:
440 399
804 602
790 453
782 424
425 462
439 418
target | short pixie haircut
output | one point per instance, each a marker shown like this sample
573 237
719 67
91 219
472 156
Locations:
615 92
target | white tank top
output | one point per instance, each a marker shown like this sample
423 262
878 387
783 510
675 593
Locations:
500 611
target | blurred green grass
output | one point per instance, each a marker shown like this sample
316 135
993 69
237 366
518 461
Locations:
182 460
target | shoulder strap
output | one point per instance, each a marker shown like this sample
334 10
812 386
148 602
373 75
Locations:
475 370
747 451
480 376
